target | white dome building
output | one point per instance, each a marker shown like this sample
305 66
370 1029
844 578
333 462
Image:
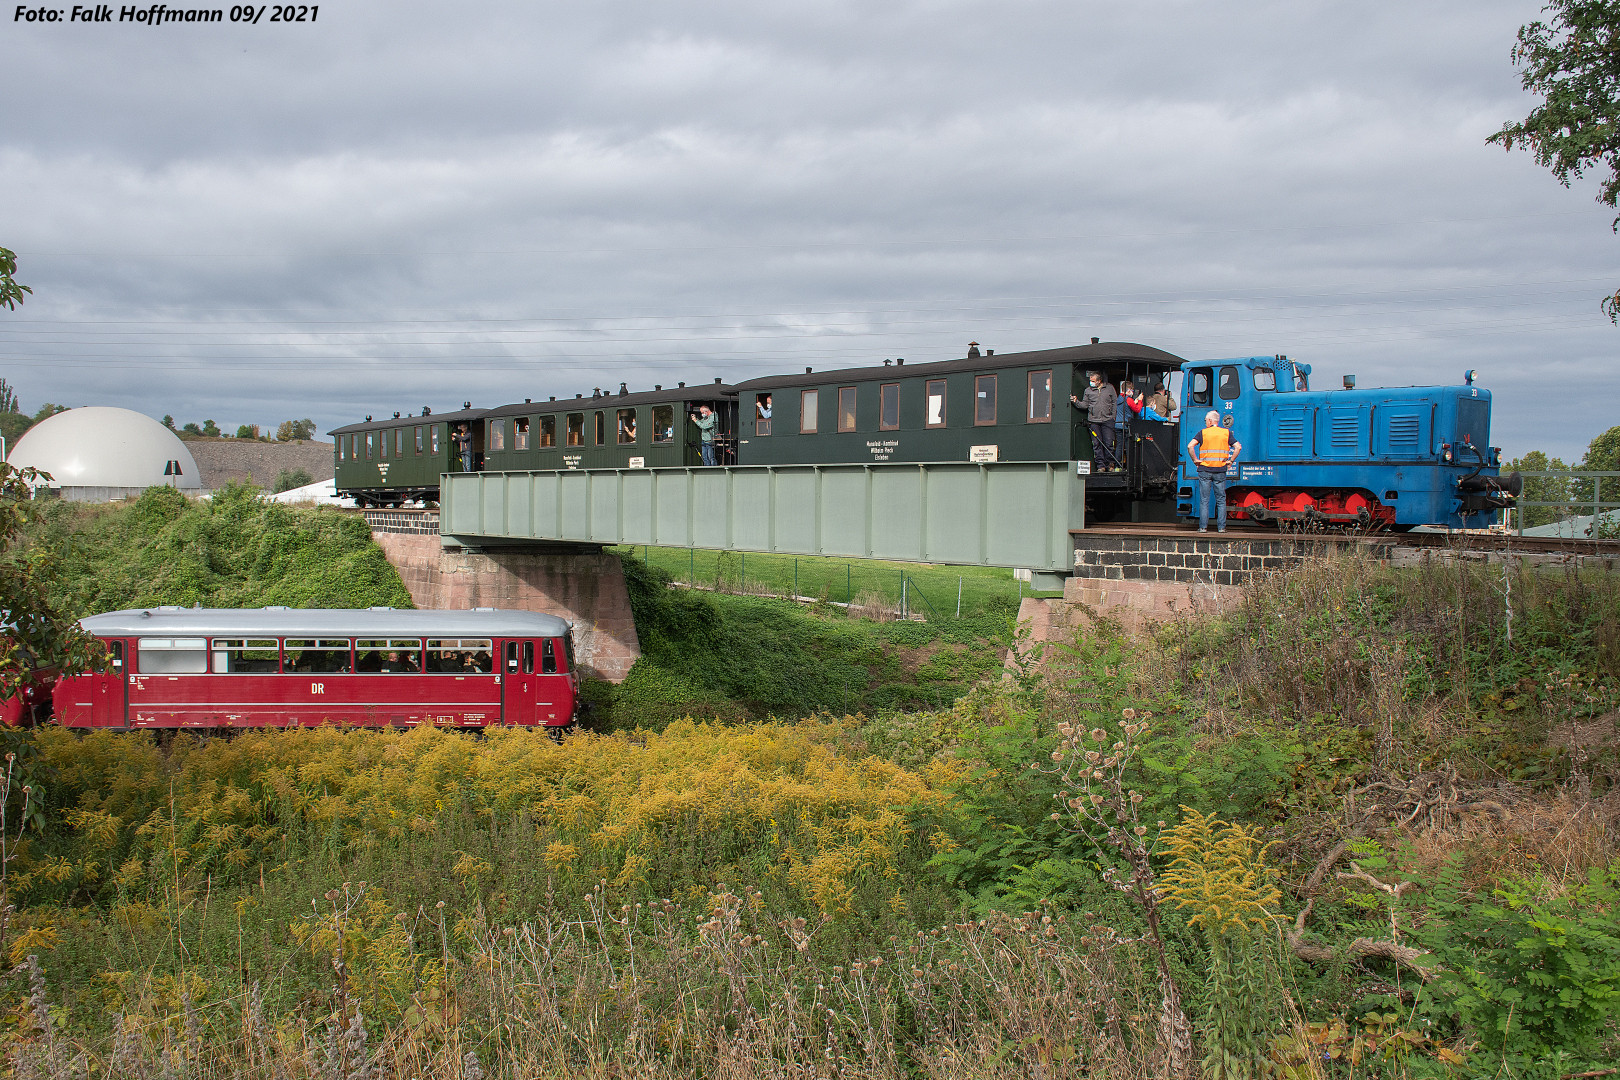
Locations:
99 453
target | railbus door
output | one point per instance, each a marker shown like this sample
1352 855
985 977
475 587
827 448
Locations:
109 690
519 686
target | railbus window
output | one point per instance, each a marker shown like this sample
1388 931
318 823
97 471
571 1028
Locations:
1265 379
984 400
317 656
548 432
1040 397
520 433
576 429
889 406
115 653
626 421
601 429
809 402
433 434
497 434
511 658
1231 386
548 657
419 438
1198 387
173 656
388 656
460 656
247 656
936 403
528 658
568 651
846 408
663 423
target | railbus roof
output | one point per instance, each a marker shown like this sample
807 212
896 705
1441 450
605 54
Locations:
319 622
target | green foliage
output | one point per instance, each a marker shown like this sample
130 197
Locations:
295 430
236 550
247 431
287 479
1557 490
1536 979
11 293
211 429
740 656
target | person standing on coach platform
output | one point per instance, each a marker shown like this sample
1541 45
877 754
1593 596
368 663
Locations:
1214 450
705 420
1098 405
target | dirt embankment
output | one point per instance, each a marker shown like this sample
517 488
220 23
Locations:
224 460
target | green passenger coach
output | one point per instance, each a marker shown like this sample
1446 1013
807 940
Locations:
647 430
392 462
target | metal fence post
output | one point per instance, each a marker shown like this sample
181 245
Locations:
849 583
958 596
742 571
795 577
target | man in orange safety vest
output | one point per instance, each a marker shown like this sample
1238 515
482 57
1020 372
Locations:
1213 450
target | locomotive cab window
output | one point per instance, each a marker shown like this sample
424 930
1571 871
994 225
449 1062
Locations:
576 429
1198 387
663 420
984 400
1230 385
846 408
548 432
627 426
497 434
520 433
1040 397
936 403
248 656
1265 379
889 406
173 656
808 403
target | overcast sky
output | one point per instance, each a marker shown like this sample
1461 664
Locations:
417 203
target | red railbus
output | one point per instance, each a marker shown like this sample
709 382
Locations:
174 667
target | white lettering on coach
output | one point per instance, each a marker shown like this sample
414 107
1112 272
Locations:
317 688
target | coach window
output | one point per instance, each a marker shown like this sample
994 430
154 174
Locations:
399 441
370 437
762 414
601 429
1040 397
936 403
388 656
889 406
984 400
382 443
433 438
342 444
520 433
576 429
497 434
846 408
418 439
548 432
663 423
246 656
460 656
173 656
808 404
317 656
1265 379
1198 387
548 657
1230 386
626 420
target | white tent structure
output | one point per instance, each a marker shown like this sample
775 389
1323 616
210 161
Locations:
322 493
99 453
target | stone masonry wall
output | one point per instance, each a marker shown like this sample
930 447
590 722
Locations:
586 589
1210 560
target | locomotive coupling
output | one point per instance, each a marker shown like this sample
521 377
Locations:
1508 486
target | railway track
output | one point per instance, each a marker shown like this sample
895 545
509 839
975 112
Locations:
1505 543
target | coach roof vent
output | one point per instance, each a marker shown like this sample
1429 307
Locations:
973 350
808 370
1096 341
623 389
900 361
466 404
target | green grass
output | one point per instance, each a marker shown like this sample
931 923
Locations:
931 590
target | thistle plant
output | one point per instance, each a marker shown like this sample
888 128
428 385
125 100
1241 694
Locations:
1091 766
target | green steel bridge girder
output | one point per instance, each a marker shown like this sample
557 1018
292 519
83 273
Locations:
1016 514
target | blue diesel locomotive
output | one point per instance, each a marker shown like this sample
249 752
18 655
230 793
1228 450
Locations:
1390 458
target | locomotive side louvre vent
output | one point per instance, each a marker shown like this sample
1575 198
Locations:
1344 432
1291 433
1403 434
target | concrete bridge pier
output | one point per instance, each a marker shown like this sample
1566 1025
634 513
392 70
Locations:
584 585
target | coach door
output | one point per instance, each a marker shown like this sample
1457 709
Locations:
519 687
109 689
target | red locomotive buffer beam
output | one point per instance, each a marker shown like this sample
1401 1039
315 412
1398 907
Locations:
1328 507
